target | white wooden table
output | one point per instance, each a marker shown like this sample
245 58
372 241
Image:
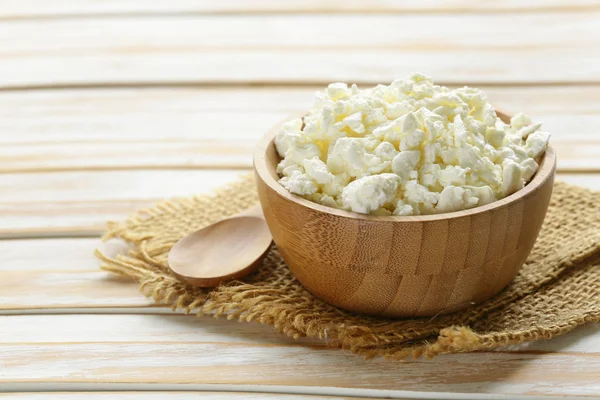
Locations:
106 106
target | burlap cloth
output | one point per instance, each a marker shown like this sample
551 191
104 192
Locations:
556 290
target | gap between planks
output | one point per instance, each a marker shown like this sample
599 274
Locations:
319 391
39 9
258 84
161 395
242 167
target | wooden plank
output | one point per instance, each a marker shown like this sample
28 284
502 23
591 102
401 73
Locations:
64 274
230 365
169 328
71 290
98 328
137 128
67 255
61 8
289 48
68 203
80 203
591 181
106 349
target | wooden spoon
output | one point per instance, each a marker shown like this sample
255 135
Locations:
226 250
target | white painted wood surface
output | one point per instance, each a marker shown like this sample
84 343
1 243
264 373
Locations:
108 106
91 348
162 328
300 49
80 202
142 349
243 364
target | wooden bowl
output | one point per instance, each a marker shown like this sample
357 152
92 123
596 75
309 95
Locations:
402 266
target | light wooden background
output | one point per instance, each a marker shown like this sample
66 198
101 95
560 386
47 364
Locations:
106 106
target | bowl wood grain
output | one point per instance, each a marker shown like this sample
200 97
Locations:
402 266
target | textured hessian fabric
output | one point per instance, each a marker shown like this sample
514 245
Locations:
557 289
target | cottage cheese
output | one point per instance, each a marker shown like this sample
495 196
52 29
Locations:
410 148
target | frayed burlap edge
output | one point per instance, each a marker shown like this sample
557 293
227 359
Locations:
146 263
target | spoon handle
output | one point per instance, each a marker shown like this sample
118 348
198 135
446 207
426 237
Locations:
254 211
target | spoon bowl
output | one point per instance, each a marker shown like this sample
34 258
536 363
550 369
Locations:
226 250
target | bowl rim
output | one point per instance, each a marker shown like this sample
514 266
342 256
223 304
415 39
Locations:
545 171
